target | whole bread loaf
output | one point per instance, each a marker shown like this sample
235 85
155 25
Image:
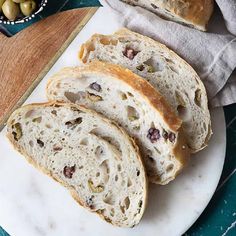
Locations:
193 13
134 104
88 154
164 70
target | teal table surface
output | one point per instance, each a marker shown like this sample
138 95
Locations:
219 218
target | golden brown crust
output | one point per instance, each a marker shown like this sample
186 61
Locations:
154 98
195 12
198 12
71 189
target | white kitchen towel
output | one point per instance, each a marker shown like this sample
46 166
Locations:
228 9
212 54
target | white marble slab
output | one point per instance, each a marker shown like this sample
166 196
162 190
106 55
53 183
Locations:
33 204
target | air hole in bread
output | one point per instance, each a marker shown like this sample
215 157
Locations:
79 129
137 172
84 142
132 113
29 113
204 126
119 167
116 178
31 143
42 132
74 123
40 143
99 152
109 199
127 203
129 182
112 212
154 64
170 61
109 139
48 126
104 166
197 98
97 174
154 6
58 85
54 112
73 97
130 94
37 119
123 95
113 57
122 208
169 168
174 69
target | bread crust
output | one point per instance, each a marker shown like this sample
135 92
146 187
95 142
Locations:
71 189
195 12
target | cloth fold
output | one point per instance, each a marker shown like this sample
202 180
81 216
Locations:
228 9
212 54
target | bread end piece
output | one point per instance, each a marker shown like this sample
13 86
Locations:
193 13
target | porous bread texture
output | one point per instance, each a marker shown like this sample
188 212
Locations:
134 104
193 13
88 154
164 70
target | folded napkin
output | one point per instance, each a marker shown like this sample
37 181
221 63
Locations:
211 54
228 9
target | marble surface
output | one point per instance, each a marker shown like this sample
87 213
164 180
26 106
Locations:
33 204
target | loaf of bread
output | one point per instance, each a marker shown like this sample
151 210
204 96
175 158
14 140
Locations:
193 13
165 70
134 104
88 154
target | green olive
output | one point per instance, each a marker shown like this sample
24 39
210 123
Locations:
1 3
18 1
28 7
10 9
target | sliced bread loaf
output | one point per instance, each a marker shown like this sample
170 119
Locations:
88 154
165 70
193 13
133 103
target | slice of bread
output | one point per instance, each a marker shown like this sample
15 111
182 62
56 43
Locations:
165 70
193 13
88 154
133 103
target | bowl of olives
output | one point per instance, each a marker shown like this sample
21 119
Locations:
19 11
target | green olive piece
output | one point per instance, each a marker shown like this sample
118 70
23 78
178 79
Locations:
28 7
18 1
10 9
1 2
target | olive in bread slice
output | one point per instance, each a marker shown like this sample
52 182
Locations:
134 104
165 70
88 154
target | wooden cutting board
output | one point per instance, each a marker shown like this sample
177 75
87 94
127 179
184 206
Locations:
26 57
